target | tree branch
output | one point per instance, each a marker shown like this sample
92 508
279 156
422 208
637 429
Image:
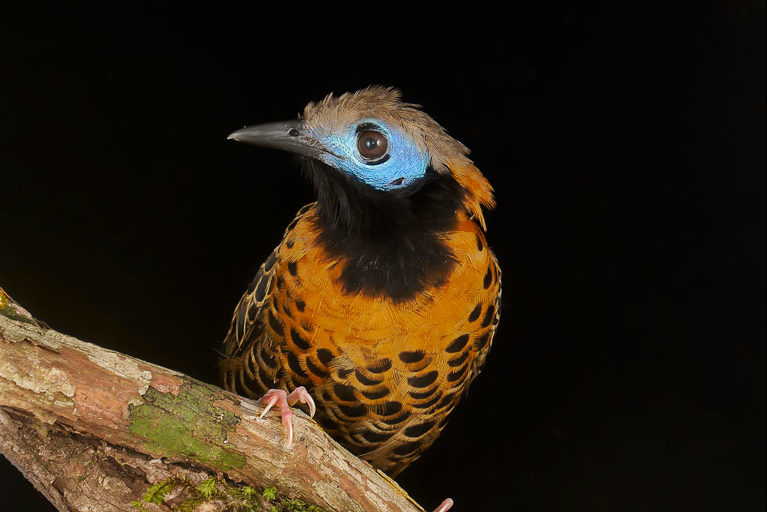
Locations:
95 429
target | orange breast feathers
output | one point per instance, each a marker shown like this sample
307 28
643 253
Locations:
329 333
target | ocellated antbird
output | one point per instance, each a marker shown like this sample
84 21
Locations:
380 303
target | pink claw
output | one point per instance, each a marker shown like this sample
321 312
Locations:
284 400
445 506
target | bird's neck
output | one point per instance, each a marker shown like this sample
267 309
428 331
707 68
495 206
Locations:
392 244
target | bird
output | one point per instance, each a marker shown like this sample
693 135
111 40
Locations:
379 306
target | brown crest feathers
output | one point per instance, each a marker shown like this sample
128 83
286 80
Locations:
446 155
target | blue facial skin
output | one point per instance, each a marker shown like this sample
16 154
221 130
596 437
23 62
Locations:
405 164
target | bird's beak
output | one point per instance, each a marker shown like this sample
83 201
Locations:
287 136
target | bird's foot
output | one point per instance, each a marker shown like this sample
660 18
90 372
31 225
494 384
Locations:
284 401
445 506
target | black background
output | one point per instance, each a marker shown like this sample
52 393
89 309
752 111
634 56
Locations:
627 149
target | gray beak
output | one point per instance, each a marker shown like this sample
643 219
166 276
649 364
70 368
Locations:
287 135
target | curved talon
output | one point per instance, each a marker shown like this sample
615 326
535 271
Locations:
444 506
271 397
284 400
302 395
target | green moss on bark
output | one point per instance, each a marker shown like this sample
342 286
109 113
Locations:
187 425
10 310
227 496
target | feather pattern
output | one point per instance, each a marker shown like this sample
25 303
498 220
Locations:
385 375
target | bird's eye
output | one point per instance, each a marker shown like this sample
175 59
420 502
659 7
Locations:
372 144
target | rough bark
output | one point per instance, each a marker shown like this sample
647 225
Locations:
94 429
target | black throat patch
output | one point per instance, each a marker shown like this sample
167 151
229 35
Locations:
392 242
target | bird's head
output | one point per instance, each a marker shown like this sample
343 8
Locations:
375 139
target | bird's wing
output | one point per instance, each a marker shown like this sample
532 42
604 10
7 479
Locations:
253 362
248 309
250 363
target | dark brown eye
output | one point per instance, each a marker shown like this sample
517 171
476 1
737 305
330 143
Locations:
372 144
